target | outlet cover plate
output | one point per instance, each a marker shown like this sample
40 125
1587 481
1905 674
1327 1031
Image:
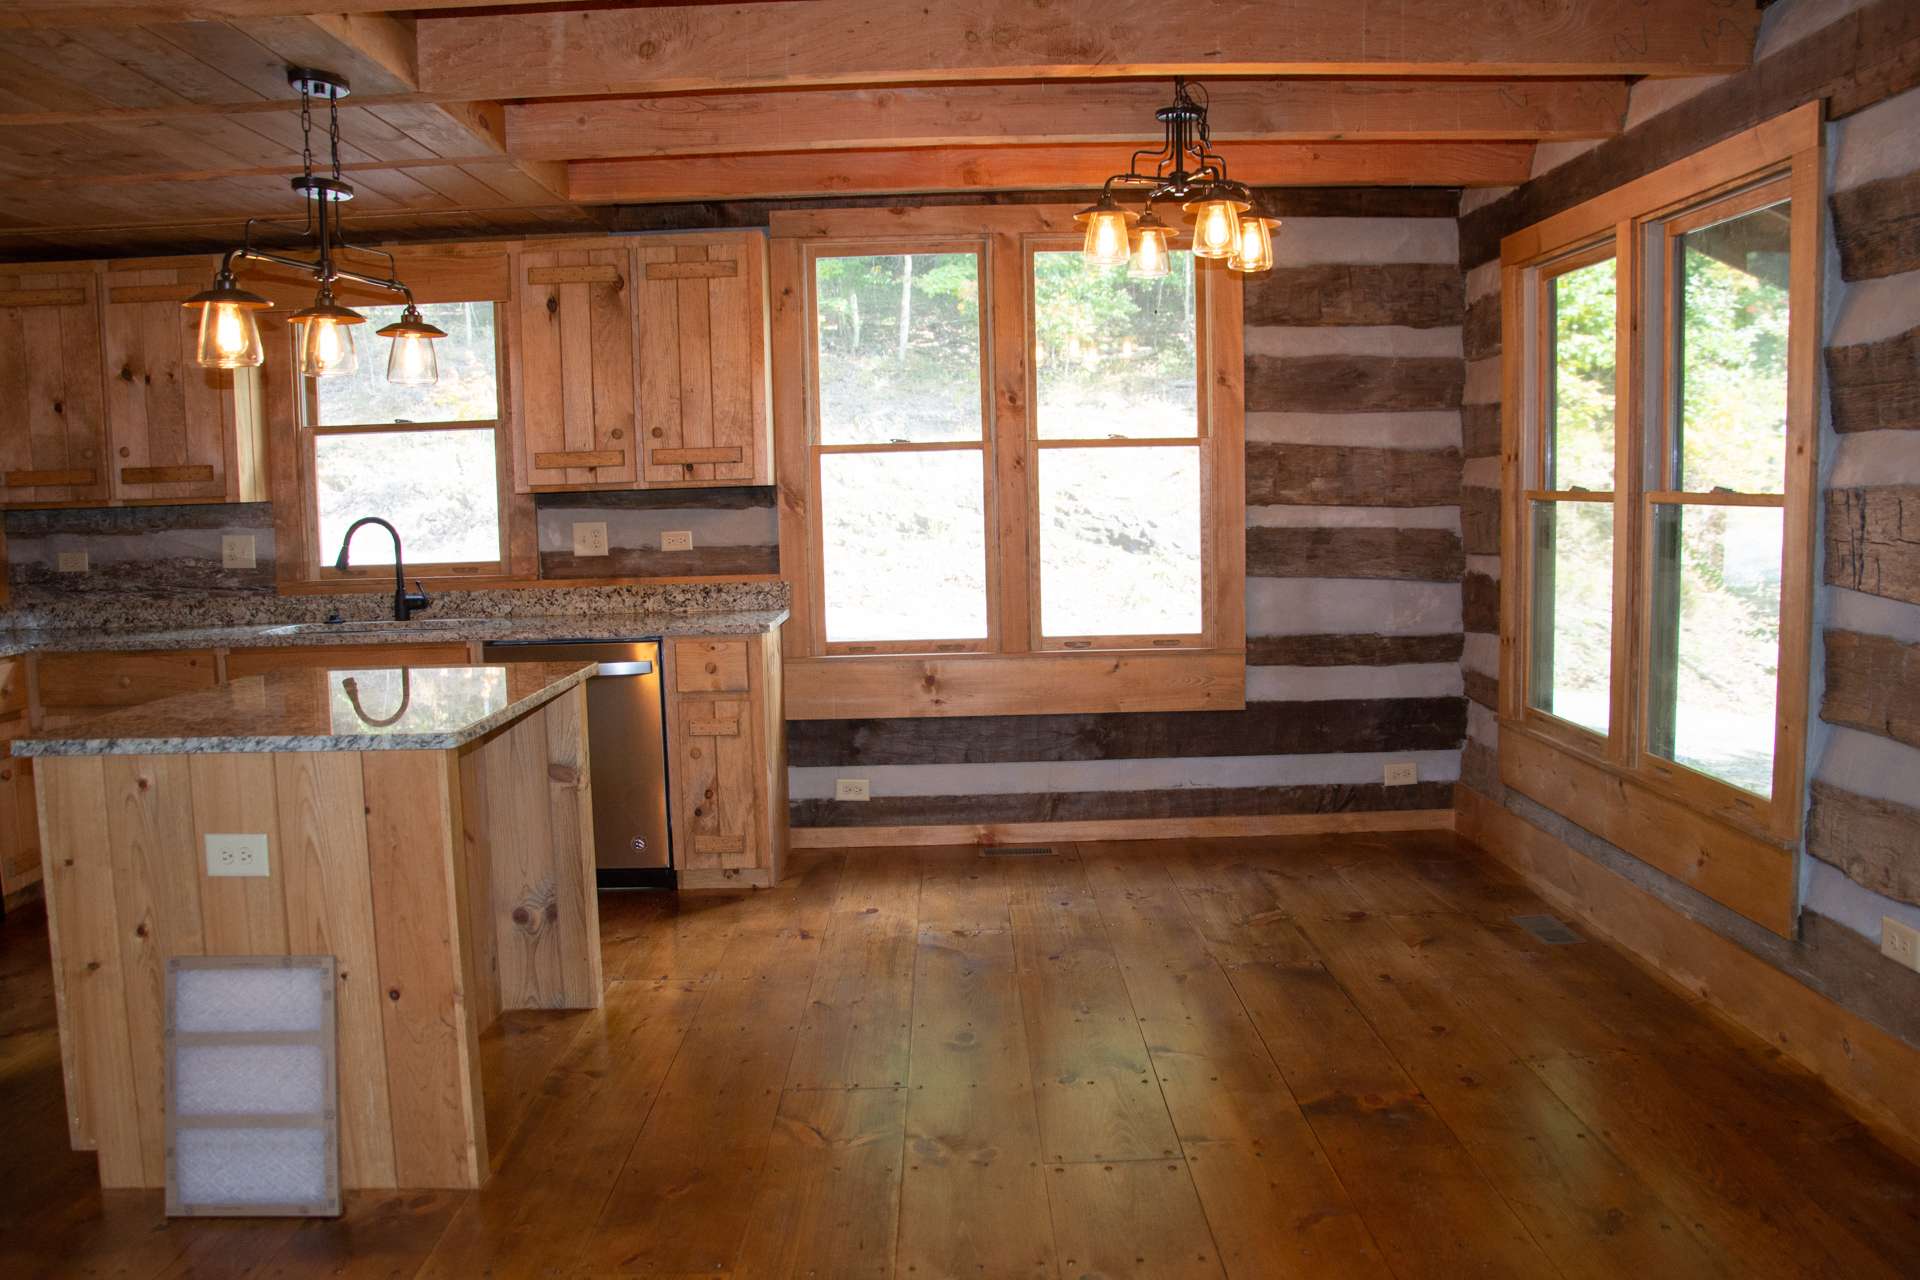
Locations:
1402 773
236 855
590 538
1900 943
677 540
237 551
851 789
72 562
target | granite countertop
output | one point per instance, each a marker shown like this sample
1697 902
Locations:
337 709
598 626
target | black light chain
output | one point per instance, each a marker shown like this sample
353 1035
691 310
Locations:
306 132
333 132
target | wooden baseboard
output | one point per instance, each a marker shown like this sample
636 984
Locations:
1872 1072
725 878
1286 824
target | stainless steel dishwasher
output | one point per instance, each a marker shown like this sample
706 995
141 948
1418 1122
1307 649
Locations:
626 738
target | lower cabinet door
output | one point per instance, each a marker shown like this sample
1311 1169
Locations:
716 784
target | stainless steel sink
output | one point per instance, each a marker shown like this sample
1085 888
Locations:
374 626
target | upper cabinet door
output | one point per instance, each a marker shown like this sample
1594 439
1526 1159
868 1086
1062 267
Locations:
703 359
53 429
179 433
575 390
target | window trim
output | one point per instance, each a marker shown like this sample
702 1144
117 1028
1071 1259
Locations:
1208 675
1753 830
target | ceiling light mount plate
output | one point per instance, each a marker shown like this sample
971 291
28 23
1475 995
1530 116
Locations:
318 84
315 187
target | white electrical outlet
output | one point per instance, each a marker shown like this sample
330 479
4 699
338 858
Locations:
677 540
73 562
1403 773
1900 943
236 551
850 789
236 855
590 539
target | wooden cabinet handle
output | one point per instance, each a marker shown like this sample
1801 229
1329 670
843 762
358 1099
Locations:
579 458
64 476
599 273
166 475
688 457
42 297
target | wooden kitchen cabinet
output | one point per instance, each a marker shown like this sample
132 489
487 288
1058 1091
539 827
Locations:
53 422
574 344
702 303
178 433
728 760
19 823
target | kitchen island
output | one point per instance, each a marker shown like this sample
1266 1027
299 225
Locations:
429 827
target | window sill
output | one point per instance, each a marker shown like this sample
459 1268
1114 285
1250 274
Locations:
1746 870
891 686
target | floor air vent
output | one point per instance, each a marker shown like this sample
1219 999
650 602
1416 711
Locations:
1016 851
1547 929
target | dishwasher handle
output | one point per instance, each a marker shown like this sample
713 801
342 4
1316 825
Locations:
641 668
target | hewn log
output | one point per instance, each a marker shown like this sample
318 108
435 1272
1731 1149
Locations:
1480 337
1353 384
1419 295
1421 555
1877 225
720 498
1264 728
1091 806
1480 520
1482 688
1873 541
1352 651
1855 61
1876 842
1480 603
1352 475
1876 385
1873 683
1480 430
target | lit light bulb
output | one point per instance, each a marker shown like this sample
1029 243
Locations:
1254 252
326 338
229 338
1216 228
413 362
1107 224
1150 250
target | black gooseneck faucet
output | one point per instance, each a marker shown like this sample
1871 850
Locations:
405 603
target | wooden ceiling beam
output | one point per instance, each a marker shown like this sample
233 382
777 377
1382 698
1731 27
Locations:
815 173
103 13
619 51
1118 114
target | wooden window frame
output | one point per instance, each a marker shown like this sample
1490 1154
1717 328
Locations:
1743 854
306 566
1016 670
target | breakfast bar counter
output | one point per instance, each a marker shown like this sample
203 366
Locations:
429 828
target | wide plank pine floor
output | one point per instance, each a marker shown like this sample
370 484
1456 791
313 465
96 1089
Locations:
1318 1057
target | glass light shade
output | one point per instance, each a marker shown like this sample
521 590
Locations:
1106 244
1255 250
1216 228
1150 251
326 348
229 337
412 361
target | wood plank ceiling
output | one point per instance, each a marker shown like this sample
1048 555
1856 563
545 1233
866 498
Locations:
136 126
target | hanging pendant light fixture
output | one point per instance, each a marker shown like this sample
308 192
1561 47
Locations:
1229 223
229 333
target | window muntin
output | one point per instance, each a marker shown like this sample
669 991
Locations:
900 449
424 458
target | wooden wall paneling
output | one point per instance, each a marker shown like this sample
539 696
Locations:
995 684
418 878
482 958
1013 573
156 876
322 847
53 417
770 734
525 914
1225 368
790 334
19 826
83 928
574 383
242 915
569 774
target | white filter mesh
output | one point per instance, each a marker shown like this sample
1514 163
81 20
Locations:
251 1166
264 999
250 1080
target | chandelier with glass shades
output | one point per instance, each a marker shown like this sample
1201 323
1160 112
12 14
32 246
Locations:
229 333
1229 221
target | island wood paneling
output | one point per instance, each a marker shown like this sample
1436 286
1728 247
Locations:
371 858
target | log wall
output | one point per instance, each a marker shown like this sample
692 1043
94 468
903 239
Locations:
1862 842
